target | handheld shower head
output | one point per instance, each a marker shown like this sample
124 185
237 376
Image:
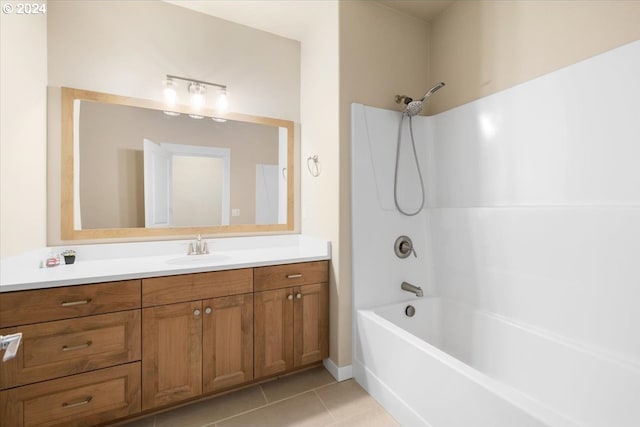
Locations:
414 107
433 90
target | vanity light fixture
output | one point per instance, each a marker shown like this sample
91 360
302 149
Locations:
197 90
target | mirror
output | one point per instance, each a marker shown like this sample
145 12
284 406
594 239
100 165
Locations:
130 170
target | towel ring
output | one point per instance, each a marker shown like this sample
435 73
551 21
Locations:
314 169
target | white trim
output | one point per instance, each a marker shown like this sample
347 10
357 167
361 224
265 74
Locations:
340 373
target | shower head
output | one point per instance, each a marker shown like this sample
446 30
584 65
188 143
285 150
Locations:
432 90
414 107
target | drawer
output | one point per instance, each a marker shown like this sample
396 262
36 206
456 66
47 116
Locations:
192 287
64 347
42 305
79 400
283 276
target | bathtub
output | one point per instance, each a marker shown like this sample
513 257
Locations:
451 365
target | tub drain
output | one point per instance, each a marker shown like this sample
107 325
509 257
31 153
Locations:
410 311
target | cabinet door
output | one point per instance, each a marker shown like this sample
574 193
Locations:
227 342
171 353
273 329
311 324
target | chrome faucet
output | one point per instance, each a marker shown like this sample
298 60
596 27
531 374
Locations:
411 288
200 247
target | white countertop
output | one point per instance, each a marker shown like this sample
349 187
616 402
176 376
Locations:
123 261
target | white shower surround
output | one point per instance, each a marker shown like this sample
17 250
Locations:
532 214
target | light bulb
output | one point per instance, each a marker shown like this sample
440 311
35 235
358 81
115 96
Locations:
169 92
223 100
197 92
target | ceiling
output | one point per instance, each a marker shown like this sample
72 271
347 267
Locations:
292 19
422 9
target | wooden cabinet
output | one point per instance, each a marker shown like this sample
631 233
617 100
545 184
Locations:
95 353
227 337
78 400
42 305
197 346
273 325
56 349
291 322
171 353
310 324
79 360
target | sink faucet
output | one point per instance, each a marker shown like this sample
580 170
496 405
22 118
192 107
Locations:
200 248
411 288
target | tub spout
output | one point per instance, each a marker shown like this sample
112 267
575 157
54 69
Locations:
411 288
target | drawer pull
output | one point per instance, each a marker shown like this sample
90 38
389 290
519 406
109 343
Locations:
290 297
76 404
72 303
294 276
298 295
76 347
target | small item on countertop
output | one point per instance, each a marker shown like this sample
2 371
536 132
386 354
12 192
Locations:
69 256
52 261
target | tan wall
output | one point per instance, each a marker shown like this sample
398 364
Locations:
23 121
481 47
320 77
111 159
197 191
382 53
127 48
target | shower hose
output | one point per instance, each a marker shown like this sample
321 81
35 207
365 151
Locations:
395 175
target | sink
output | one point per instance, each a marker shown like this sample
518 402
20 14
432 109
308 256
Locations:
198 259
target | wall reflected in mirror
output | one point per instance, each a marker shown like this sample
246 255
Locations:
139 168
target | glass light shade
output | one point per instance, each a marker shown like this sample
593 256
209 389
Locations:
223 101
197 92
169 92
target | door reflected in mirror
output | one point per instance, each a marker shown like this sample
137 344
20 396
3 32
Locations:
138 171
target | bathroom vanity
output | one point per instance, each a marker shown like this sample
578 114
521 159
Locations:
93 353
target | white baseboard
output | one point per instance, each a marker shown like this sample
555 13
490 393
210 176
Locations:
340 373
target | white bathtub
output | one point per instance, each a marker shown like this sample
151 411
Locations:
453 366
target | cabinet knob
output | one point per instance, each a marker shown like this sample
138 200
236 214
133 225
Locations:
290 297
298 295
208 310
196 312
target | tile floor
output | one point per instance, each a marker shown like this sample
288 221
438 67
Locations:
310 398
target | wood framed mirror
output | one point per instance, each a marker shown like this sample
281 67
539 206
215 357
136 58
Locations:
129 169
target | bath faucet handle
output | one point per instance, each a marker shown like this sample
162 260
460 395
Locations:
403 247
406 247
